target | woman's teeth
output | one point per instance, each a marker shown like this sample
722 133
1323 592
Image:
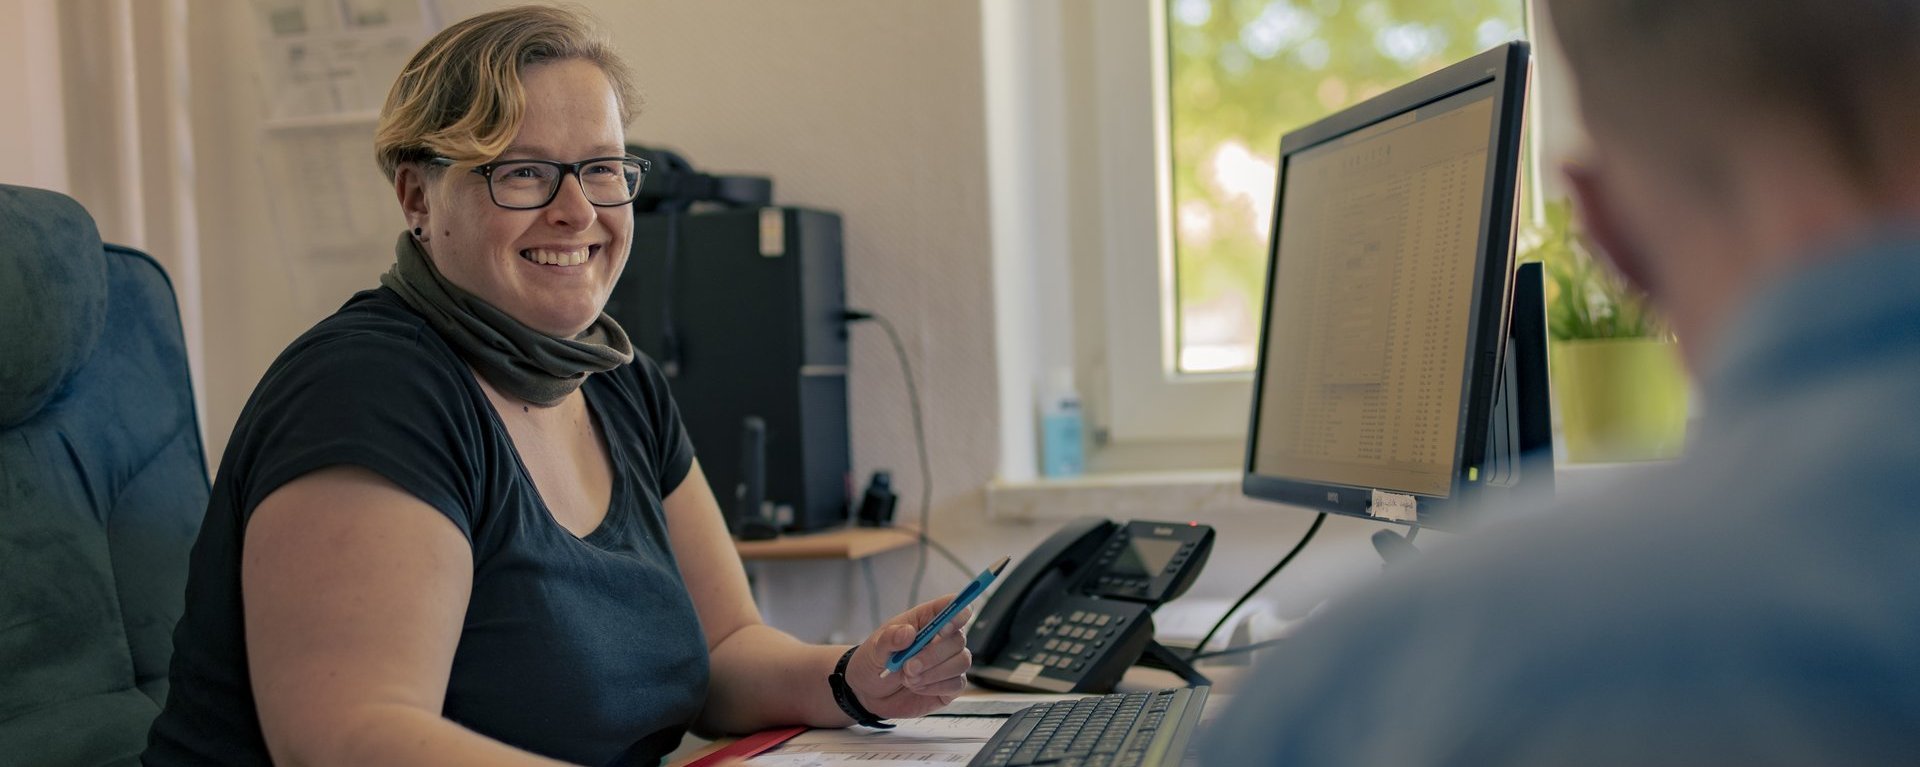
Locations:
555 257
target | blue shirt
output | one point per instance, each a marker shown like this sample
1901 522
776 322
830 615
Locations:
1757 602
585 649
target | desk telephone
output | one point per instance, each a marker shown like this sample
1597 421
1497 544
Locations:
1078 611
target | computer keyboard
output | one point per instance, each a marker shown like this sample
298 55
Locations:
1137 729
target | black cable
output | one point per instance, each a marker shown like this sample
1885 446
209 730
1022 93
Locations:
920 441
1198 647
669 330
873 591
1250 647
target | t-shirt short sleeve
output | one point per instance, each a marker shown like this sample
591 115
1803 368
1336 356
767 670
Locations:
672 449
384 401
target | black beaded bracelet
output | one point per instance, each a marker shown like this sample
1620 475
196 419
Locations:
843 695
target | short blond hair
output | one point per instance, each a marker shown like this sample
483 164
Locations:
1846 68
461 97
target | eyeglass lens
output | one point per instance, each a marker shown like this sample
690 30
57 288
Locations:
532 184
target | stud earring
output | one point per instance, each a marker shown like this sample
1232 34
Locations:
417 231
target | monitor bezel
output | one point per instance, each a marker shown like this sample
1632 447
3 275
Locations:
1506 68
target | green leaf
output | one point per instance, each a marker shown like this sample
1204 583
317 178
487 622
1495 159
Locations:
1586 299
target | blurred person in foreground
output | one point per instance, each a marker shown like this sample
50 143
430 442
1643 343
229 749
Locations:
1753 166
459 521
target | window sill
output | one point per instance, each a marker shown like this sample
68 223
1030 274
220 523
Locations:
1198 495
1202 495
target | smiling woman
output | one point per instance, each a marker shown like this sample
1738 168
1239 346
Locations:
460 521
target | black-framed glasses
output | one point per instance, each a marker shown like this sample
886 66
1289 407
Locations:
608 182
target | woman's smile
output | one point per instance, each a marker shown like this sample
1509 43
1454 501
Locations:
563 257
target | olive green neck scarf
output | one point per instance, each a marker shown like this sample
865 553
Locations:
519 360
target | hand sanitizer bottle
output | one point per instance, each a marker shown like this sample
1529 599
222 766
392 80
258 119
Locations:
1061 427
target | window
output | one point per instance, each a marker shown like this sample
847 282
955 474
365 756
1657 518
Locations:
1133 145
1239 74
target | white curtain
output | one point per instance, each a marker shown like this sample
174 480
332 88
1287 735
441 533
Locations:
128 139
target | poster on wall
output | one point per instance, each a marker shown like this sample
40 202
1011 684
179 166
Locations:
326 68
336 57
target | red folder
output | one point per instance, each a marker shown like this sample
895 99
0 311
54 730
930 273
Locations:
749 746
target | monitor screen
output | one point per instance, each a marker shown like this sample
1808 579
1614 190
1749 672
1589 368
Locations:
1386 293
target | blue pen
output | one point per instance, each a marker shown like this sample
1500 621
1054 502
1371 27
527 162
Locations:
932 629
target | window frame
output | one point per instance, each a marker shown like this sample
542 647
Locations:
1150 401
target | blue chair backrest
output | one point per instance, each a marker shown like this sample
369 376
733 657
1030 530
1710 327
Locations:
103 483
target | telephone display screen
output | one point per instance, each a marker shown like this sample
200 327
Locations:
1146 557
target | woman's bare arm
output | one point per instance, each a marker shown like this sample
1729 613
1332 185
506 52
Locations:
763 677
354 595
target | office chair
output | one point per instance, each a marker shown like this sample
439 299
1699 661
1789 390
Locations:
103 484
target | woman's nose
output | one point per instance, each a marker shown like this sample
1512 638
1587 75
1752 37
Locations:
570 208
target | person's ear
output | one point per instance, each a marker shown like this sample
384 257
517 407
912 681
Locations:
1599 218
410 186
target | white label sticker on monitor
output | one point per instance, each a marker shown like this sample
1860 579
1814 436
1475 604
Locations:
1394 506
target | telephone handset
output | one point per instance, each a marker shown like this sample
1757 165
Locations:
1078 611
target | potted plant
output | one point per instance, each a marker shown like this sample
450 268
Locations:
1616 373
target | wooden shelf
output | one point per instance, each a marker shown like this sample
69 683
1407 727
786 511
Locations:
842 543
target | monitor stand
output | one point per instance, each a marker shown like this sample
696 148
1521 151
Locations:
1158 656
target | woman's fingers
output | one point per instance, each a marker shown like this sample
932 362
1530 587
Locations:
946 688
953 666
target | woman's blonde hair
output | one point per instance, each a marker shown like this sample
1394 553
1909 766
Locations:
461 98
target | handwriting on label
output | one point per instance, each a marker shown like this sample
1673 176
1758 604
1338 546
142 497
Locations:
1394 506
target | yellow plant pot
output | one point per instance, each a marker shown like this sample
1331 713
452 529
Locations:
1620 399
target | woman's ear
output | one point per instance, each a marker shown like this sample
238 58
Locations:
410 186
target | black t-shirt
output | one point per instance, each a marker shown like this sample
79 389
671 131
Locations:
582 649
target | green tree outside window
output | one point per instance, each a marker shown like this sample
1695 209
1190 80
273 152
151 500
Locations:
1242 73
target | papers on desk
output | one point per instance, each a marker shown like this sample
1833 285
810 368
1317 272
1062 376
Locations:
924 741
949 737
948 740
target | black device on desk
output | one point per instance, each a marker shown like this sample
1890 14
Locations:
743 310
1075 614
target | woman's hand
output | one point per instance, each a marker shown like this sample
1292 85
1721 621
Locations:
929 681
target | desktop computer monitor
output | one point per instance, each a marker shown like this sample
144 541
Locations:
1399 370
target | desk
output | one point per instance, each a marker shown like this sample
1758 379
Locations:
845 543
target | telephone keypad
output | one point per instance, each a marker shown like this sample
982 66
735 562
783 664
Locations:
1068 642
